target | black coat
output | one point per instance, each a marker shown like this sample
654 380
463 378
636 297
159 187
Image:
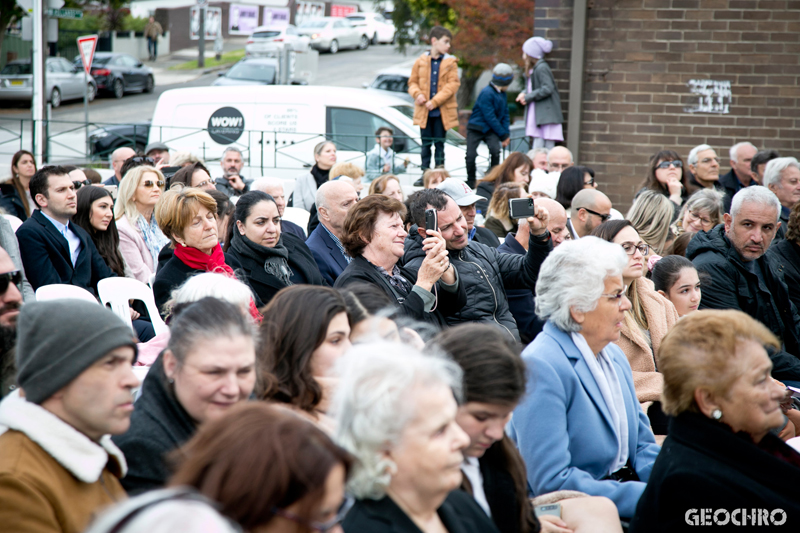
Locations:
11 202
265 285
159 425
785 256
172 275
45 256
361 271
734 286
485 189
522 302
486 236
459 514
731 185
704 465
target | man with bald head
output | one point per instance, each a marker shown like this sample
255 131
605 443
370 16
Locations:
334 200
590 208
118 157
274 187
558 159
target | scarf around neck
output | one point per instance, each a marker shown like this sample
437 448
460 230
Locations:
320 176
276 259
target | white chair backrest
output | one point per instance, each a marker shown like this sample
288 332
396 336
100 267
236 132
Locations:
59 291
14 221
298 216
151 280
117 291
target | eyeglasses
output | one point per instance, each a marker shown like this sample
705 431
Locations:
14 277
703 220
590 182
603 218
630 249
617 296
202 184
79 184
321 527
148 184
666 164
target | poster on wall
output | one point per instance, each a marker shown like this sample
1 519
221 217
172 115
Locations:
308 11
242 20
275 16
338 10
213 23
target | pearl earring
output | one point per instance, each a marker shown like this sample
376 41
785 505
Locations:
716 414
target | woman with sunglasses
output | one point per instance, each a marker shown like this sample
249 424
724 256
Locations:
645 324
140 238
667 175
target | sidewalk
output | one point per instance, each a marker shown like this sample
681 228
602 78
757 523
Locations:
161 67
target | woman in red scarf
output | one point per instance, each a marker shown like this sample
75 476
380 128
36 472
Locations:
189 218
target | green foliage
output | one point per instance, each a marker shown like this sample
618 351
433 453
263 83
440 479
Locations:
10 12
89 24
129 22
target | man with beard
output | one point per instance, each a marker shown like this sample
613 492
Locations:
231 182
10 302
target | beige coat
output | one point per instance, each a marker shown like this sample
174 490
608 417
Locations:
420 83
52 477
661 316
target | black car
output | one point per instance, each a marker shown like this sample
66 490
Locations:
105 140
120 73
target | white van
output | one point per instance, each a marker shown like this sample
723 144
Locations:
276 127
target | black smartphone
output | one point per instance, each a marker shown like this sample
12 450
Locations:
431 220
520 207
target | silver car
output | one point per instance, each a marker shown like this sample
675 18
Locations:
263 39
64 81
331 34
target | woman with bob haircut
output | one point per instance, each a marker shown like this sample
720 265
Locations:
580 427
516 168
304 332
396 413
188 217
387 185
701 212
374 236
668 176
494 472
259 468
721 451
651 215
140 238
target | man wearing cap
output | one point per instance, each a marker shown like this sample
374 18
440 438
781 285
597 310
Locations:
485 273
489 121
158 152
58 466
466 200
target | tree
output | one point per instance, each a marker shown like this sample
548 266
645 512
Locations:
10 13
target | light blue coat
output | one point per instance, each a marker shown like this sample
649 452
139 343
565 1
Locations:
563 427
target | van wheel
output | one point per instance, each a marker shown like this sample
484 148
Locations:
364 43
334 46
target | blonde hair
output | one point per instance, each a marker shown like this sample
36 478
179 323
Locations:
380 183
651 215
346 169
176 209
125 206
431 173
699 352
498 206
184 158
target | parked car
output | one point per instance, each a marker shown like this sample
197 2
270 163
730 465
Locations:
105 140
64 81
118 74
250 71
379 30
263 38
331 34
392 81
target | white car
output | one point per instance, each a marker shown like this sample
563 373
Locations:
331 34
263 37
378 29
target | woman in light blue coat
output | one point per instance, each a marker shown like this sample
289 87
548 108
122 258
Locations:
581 427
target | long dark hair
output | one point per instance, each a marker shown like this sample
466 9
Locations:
504 172
106 242
494 373
571 183
650 181
15 180
295 324
243 209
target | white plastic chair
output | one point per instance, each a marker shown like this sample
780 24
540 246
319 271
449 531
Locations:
117 291
151 280
58 291
14 221
298 216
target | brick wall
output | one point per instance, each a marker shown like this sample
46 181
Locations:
640 56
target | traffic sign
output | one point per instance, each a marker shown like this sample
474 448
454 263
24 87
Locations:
86 46
65 13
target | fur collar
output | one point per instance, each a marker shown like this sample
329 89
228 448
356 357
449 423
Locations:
73 450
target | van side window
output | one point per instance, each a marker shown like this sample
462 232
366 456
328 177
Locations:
353 129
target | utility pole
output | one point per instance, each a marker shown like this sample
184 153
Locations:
201 46
39 100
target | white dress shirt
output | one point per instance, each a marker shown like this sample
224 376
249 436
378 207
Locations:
73 240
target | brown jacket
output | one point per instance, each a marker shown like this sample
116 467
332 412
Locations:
661 316
153 30
445 99
52 477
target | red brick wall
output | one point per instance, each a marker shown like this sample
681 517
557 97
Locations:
640 54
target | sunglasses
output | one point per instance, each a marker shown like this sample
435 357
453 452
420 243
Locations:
14 277
79 184
603 218
320 527
666 164
143 159
148 184
590 182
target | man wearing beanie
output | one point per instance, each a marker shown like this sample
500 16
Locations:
58 466
490 120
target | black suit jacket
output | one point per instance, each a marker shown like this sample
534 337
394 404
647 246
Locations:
45 256
329 257
459 514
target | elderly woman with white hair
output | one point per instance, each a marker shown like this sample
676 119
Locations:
782 177
396 412
580 427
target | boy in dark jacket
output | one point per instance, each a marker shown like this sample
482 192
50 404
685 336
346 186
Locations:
489 120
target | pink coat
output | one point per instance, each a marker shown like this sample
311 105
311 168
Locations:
134 250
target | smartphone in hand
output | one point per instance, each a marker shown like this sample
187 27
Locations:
521 208
431 220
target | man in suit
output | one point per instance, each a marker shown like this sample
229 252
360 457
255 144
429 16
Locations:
53 249
590 208
334 200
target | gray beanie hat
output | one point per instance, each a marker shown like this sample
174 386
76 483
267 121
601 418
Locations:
502 75
57 340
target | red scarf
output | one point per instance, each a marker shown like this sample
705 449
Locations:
194 258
